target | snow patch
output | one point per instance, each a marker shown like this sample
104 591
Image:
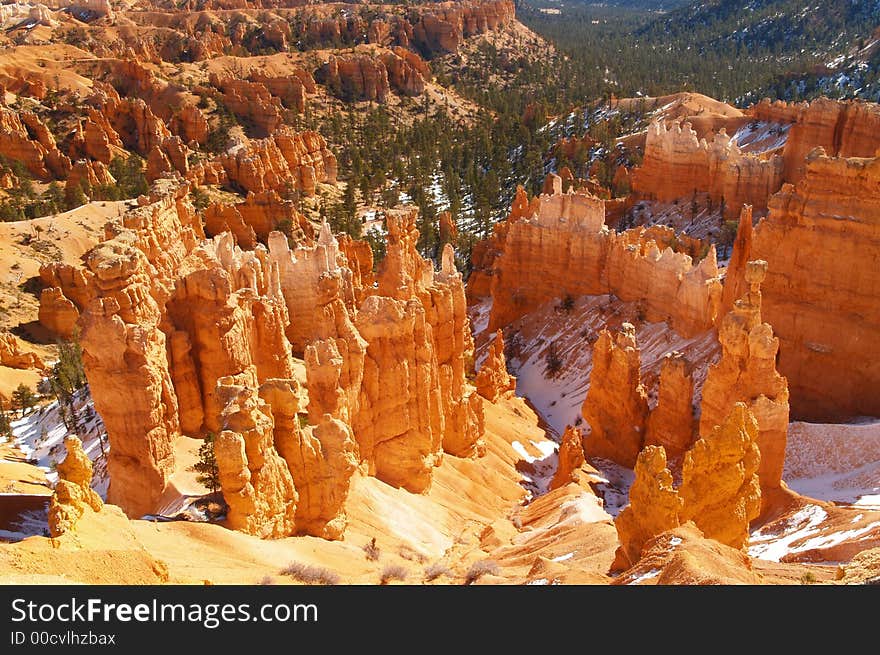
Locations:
653 573
802 524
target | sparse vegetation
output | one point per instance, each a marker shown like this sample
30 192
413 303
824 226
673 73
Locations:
567 303
393 572
481 568
411 554
808 578
553 361
5 423
371 550
435 570
309 574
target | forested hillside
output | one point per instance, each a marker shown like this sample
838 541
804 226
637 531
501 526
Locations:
727 49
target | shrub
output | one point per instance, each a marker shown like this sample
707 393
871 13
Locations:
412 555
308 574
435 570
371 550
567 303
479 569
393 572
553 360
808 578
206 467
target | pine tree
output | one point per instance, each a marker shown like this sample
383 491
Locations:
5 424
23 398
206 467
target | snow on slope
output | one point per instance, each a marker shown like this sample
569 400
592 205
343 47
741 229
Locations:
40 436
760 137
835 462
570 335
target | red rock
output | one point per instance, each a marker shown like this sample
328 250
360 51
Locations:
39 154
255 480
558 245
571 458
252 220
251 101
720 486
654 507
355 77
12 355
73 494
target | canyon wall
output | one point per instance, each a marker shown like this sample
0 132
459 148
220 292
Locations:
677 164
821 287
558 244
191 32
844 128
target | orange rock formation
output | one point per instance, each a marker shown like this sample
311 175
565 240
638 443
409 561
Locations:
824 313
165 315
556 245
720 486
12 355
616 406
747 374
493 379
654 507
677 164
256 481
671 423
571 458
843 128
73 494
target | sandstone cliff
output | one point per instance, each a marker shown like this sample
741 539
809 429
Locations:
170 317
677 164
847 128
287 158
747 374
571 459
558 245
720 491
820 288
720 486
252 102
654 507
13 356
25 139
671 423
616 406
176 323
255 480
